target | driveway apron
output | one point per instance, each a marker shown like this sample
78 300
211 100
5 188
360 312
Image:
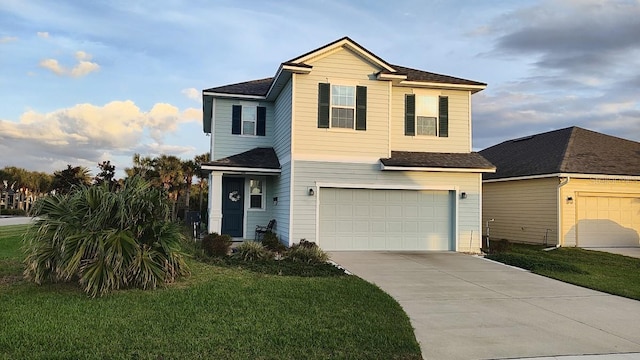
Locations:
466 307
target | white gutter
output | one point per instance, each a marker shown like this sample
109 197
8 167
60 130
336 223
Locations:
473 88
576 176
562 183
408 168
229 169
235 96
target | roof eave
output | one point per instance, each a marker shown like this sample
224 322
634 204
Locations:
435 169
234 96
449 86
240 170
566 175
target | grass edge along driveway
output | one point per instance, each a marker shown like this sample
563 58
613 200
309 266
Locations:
597 270
217 313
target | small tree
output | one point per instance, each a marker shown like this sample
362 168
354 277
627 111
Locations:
65 180
106 175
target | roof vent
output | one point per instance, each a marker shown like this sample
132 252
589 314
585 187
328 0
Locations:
523 138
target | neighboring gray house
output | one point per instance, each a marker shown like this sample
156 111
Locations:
346 150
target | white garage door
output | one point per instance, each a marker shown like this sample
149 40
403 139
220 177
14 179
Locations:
368 219
608 221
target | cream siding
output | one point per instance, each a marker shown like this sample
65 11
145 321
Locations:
309 173
226 144
607 187
523 210
459 140
341 67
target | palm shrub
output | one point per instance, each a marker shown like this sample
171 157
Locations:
307 252
252 251
105 239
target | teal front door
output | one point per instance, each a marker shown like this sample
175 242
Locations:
233 206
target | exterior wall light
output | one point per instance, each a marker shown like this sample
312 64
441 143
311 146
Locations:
311 192
463 195
275 201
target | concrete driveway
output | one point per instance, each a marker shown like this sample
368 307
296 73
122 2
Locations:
14 220
466 307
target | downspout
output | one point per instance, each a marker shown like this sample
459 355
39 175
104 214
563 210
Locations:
562 183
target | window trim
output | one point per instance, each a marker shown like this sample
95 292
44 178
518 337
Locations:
435 115
254 109
331 107
441 114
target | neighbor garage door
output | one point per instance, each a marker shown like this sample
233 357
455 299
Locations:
608 220
368 219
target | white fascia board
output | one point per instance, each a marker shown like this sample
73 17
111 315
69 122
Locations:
385 186
234 96
473 88
382 76
241 170
346 43
435 169
566 175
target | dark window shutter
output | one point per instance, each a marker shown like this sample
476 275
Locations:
323 105
443 116
410 115
236 120
361 108
261 126
207 111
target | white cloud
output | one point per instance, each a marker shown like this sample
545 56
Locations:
82 68
43 34
7 39
84 133
193 94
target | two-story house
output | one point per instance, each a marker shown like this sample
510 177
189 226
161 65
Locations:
346 150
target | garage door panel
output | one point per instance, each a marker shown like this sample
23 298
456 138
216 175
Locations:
607 221
385 219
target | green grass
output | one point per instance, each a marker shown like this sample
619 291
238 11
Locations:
610 273
217 313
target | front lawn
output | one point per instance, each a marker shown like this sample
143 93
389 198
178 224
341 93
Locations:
610 273
217 313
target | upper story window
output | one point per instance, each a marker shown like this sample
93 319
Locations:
342 106
426 115
248 120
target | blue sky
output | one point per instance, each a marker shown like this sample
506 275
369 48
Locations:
86 81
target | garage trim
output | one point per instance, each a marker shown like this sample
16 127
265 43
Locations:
454 188
593 194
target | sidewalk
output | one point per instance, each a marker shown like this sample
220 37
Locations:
14 220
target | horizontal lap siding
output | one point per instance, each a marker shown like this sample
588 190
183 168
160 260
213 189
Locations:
282 126
589 185
459 140
341 68
226 144
522 210
308 173
280 212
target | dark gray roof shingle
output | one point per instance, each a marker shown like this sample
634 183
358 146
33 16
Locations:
570 150
419 75
254 87
437 160
258 158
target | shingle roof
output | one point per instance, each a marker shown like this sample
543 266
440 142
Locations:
260 87
570 150
257 158
437 160
254 87
419 75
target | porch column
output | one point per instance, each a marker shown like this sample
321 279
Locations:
215 202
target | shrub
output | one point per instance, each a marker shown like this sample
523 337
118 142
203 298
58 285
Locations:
307 252
252 251
105 239
271 242
499 246
16 212
217 245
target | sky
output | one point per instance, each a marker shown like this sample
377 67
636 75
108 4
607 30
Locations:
87 81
